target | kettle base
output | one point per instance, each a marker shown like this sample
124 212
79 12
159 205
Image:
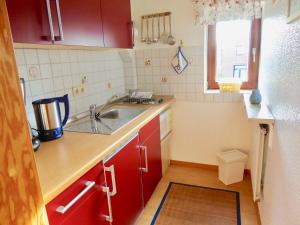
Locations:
49 135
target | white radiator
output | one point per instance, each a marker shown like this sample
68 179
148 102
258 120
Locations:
260 145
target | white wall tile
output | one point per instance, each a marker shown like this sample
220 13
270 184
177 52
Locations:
54 56
48 85
58 83
43 56
46 71
36 87
31 56
20 58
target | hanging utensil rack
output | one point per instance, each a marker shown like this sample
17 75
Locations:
152 37
149 16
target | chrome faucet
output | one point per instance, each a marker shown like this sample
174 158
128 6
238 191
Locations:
93 111
110 100
96 115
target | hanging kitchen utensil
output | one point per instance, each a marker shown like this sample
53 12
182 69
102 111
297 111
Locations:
179 62
164 35
171 40
148 40
158 29
143 39
154 38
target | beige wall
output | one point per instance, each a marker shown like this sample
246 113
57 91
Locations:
279 82
204 123
201 130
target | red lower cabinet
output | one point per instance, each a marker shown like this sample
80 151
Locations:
84 202
124 180
114 191
151 164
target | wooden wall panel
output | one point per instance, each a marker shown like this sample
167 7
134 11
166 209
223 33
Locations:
21 200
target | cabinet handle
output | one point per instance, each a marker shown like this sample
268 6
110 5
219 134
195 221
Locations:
111 169
50 21
62 209
132 34
60 27
146 158
108 218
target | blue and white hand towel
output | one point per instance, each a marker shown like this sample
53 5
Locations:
179 62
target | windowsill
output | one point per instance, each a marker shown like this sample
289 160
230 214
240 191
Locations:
216 91
259 113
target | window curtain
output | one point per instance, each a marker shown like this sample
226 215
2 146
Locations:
208 12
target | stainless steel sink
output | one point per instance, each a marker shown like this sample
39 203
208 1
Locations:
113 114
109 121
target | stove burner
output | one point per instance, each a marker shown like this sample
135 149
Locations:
145 101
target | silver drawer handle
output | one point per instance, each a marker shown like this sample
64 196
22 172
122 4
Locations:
146 159
108 218
111 169
62 209
60 26
50 21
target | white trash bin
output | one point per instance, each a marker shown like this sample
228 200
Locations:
231 166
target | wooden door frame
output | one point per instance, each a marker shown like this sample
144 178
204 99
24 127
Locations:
21 200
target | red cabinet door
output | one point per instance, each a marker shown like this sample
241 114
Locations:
117 25
126 198
90 209
151 164
80 22
29 21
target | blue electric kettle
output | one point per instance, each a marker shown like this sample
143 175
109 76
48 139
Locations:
48 117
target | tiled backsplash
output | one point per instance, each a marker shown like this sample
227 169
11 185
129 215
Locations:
161 78
51 73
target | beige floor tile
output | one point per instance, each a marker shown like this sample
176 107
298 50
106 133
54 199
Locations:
206 178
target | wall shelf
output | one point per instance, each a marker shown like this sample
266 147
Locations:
258 113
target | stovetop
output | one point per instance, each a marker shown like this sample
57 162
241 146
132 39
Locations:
144 101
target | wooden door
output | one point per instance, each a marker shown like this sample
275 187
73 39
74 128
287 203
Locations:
29 21
21 200
81 22
127 201
151 164
117 25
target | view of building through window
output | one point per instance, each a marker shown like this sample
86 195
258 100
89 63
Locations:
233 43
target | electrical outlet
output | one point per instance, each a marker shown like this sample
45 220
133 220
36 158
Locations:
147 62
164 79
76 91
33 72
109 85
82 89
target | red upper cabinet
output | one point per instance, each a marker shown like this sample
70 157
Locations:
56 21
124 180
29 21
101 23
79 22
117 24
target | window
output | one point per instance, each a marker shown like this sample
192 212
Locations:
233 52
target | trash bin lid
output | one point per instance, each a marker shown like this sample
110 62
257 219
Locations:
232 156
